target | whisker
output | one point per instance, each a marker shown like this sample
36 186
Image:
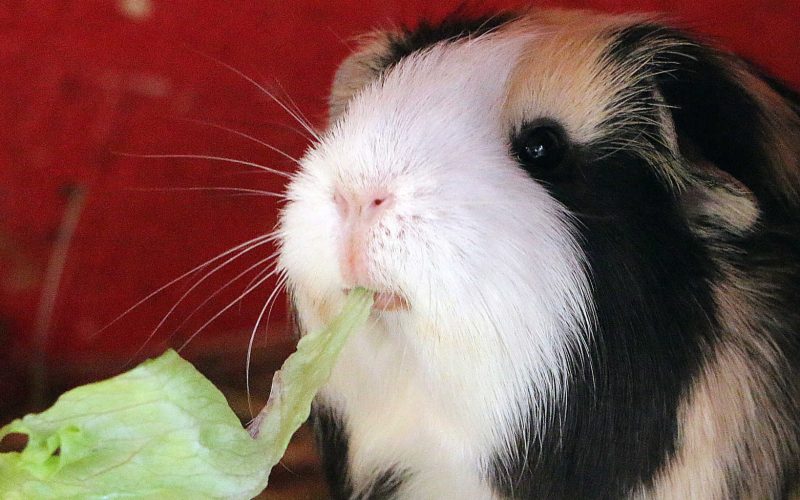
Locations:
275 123
206 157
293 104
271 299
269 237
221 312
344 42
224 287
190 290
231 189
261 273
203 279
234 174
260 87
242 134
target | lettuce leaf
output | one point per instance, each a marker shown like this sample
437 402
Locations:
162 430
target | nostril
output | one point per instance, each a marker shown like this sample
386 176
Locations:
381 201
369 205
340 202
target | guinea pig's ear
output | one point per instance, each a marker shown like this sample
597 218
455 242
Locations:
380 50
364 65
739 130
717 203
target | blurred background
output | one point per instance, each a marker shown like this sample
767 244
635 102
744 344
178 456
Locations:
87 231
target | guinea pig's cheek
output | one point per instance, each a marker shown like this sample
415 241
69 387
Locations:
308 255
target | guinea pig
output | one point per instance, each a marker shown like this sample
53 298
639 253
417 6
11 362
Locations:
584 238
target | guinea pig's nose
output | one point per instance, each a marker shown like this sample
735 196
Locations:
365 207
359 213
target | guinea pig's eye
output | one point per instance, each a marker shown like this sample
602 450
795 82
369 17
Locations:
540 148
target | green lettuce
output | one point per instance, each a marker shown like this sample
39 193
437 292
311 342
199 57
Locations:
162 430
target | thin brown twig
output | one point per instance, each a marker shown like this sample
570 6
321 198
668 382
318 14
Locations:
76 198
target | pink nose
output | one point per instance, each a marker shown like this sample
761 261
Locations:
359 213
362 208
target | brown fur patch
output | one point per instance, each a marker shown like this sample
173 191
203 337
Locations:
357 71
734 436
561 74
717 198
566 75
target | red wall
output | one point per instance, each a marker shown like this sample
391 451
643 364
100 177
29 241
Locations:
80 80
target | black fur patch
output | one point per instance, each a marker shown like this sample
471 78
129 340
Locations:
385 486
649 277
333 447
426 34
710 109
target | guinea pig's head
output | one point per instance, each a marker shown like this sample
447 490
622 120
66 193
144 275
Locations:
512 181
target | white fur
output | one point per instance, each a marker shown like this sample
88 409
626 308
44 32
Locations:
486 258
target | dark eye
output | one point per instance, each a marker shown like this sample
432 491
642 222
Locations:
540 148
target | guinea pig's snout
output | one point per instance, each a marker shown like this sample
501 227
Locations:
359 213
364 208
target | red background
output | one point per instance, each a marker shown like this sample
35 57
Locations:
80 80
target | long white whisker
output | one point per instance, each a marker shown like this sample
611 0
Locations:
269 94
258 276
298 112
189 291
274 123
224 287
261 273
230 189
220 313
207 157
270 237
273 296
242 134
204 278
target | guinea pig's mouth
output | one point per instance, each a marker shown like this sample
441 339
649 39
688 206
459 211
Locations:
388 301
